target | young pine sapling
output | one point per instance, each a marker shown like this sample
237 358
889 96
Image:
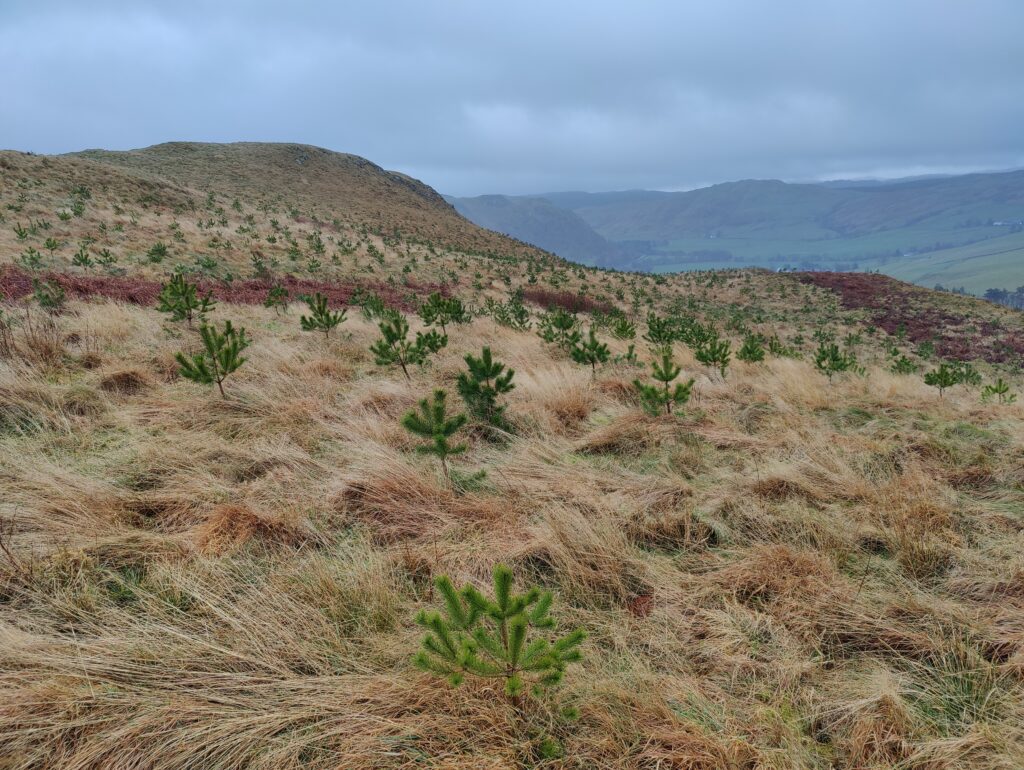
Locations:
999 389
830 360
433 423
590 352
715 352
512 638
277 298
320 317
559 328
944 377
394 346
430 342
441 311
655 398
481 386
752 350
181 299
221 355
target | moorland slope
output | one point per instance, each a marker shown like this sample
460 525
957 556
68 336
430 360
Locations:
796 568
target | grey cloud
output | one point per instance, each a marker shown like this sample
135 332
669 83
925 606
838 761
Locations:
475 97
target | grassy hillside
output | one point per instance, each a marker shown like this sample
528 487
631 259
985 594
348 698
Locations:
311 179
788 571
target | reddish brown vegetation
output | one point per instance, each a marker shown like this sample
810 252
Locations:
16 283
923 315
574 303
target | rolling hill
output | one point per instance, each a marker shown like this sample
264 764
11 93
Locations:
540 222
309 177
813 226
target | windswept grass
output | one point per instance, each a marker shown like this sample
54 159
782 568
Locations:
786 575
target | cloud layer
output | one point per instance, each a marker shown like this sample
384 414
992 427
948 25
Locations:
473 97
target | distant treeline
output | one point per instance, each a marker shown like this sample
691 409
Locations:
1013 299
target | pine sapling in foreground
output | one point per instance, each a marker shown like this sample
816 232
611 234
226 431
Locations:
559 328
277 298
430 342
830 360
715 352
394 346
653 398
944 377
50 295
660 332
433 423
752 350
623 328
320 317
590 352
441 311
181 299
999 389
221 355
481 386
512 638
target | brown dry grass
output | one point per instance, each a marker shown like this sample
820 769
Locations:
786 575
231 584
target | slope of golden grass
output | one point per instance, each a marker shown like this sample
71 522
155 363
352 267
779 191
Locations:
229 211
787 575
315 180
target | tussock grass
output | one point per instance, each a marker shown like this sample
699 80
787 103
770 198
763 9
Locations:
787 575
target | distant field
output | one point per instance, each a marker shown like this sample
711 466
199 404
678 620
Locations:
998 262
976 265
891 243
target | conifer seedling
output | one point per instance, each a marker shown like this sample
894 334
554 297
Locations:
830 360
481 386
903 365
181 299
441 311
623 328
629 357
82 258
660 332
590 352
512 638
944 377
559 328
715 352
49 294
655 398
221 355
752 350
433 423
277 298
1000 389
966 374
320 317
430 342
394 346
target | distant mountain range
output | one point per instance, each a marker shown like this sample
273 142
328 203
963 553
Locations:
538 221
959 231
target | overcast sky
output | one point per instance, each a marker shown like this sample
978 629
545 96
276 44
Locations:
477 97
